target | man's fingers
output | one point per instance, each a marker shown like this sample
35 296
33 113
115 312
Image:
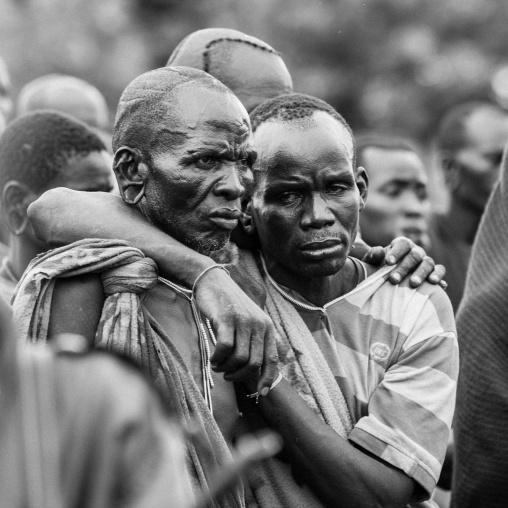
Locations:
422 272
251 367
407 265
437 276
238 357
225 344
270 362
375 256
398 249
359 250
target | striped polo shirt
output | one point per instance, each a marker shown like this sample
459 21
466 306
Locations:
393 351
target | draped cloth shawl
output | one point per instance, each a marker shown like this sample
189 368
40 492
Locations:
128 329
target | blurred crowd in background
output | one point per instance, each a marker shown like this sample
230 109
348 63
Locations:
394 66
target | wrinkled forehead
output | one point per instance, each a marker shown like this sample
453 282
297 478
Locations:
388 164
193 106
195 115
311 138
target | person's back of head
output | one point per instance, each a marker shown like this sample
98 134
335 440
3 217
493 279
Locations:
470 140
67 94
40 151
398 203
252 69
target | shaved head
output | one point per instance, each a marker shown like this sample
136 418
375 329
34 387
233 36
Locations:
68 94
147 107
252 69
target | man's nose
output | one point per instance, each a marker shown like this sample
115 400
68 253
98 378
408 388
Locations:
317 214
412 205
229 186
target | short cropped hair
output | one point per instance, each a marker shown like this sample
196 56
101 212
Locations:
142 115
451 132
373 140
295 106
35 148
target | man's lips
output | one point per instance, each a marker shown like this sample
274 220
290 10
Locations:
225 218
321 249
414 231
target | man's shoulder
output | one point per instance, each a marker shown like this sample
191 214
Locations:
402 302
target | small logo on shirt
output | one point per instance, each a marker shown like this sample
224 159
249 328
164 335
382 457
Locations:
379 352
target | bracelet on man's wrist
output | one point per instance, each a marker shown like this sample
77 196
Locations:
207 269
255 395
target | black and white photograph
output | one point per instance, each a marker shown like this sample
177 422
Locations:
253 254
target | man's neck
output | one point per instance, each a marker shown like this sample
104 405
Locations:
21 252
463 220
317 290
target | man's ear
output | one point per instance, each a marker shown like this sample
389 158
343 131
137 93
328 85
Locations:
362 182
16 197
246 219
245 235
451 171
130 173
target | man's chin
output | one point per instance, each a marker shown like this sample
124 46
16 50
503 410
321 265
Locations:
322 268
227 255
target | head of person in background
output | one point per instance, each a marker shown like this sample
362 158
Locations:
6 103
70 95
40 151
249 67
3 123
470 142
398 203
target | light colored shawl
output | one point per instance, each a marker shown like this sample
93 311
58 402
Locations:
302 363
126 328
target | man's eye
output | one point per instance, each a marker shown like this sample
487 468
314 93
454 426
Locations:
337 188
495 158
392 191
245 162
288 198
207 162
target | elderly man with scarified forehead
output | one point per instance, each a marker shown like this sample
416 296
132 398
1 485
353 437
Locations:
182 172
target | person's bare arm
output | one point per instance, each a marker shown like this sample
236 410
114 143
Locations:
245 334
76 306
335 470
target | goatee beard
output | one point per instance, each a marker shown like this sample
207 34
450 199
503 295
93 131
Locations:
228 255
